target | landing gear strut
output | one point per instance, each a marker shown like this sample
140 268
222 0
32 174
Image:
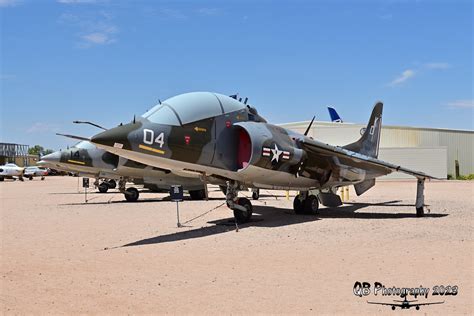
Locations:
241 206
305 203
255 194
420 198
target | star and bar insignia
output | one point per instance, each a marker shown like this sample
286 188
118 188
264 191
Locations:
276 153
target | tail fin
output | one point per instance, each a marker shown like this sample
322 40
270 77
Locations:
368 144
334 116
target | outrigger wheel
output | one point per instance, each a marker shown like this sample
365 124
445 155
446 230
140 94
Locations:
243 216
131 194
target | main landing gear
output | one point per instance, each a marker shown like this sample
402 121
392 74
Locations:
305 203
241 206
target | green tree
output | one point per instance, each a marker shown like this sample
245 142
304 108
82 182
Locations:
39 150
35 150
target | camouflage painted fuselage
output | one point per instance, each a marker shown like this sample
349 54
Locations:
88 160
234 144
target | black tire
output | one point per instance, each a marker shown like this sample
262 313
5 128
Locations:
197 194
103 187
298 205
256 195
393 307
131 194
311 204
42 178
241 216
2 179
417 308
420 212
112 184
30 178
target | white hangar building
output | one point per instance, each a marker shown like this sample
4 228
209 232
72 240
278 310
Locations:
430 150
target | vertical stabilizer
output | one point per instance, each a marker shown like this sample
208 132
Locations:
368 144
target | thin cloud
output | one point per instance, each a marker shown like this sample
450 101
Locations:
407 74
465 104
437 66
98 38
40 127
8 3
94 30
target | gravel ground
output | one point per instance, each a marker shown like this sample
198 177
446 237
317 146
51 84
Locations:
60 255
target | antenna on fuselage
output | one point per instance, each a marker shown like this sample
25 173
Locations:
89 123
309 126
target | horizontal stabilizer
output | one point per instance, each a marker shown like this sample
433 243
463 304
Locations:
330 199
74 137
363 186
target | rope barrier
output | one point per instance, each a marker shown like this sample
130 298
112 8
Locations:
212 209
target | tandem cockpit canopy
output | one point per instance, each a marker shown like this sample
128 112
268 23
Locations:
191 107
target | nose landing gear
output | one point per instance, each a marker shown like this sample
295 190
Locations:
241 206
131 194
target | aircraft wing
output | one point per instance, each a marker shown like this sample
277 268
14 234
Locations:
388 304
323 152
427 303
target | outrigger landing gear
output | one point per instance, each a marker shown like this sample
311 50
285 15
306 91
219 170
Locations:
241 206
420 198
305 203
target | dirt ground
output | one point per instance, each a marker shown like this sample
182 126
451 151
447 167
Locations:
60 255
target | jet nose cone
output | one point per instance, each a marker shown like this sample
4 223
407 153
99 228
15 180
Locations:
51 158
117 137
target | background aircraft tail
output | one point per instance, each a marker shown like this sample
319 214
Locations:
334 116
368 144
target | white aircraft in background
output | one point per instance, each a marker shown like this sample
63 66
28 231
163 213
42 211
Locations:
11 171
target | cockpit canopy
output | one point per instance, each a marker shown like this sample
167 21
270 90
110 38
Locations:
190 107
84 145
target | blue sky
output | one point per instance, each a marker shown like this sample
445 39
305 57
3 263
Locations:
105 61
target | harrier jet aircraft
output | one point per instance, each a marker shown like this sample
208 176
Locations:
88 160
405 304
226 142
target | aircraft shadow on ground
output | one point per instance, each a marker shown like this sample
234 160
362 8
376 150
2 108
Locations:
351 210
140 200
267 216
